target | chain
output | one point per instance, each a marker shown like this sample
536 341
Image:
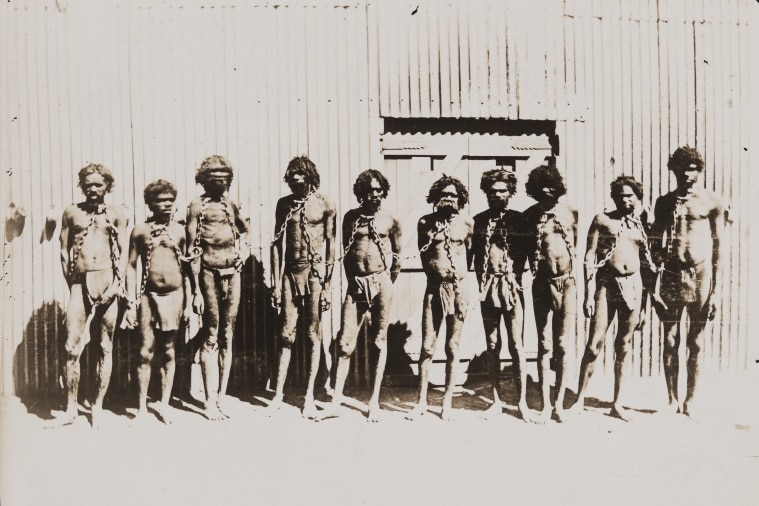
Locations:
541 232
156 231
679 212
628 223
449 254
299 204
195 251
376 238
77 249
489 232
313 256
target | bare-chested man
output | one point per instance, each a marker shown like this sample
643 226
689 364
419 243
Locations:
301 270
687 241
162 295
372 237
499 259
617 250
553 226
93 257
445 247
216 238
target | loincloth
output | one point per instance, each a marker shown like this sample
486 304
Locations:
681 283
301 279
628 287
366 288
166 309
223 275
94 283
554 286
444 294
499 290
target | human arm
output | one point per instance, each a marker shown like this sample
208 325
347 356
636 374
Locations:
330 225
193 252
275 257
130 278
717 223
395 246
64 241
590 267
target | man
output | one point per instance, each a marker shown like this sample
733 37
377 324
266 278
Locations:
301 270
499 258
163 293
445 246
372 238
553 226
687 242
617 248
93 257
216 235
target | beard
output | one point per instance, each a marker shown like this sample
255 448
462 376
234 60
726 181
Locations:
447 207
371 204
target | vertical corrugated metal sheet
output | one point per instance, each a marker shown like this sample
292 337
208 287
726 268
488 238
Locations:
150 90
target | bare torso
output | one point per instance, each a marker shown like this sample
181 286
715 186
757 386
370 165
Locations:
624 237
502 249
219 231
555 237
305 232
89 239
368 253
165 273
687 226
445 260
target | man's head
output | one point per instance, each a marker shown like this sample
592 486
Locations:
215 175
626 193
545 184
370 188
301 176
160 196
448 195
687 165
95 181
499 185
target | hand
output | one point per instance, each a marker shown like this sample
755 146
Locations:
130 316
198 304
712 304
641 319
108 295
324 302
276 297
186 315
588 307
659 303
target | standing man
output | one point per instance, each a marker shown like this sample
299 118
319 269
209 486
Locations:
499 259
445 247
216 234
553 226
301 270
93 257
163 294
617 249
372 239
687 242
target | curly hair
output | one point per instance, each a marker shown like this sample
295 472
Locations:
437 188
96 168
544 176
684 157
213 163
363 184
157 187
618 184
491 177
303 165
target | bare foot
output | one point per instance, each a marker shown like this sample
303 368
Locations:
562 415
672 408
220 407
419 411
164 414
375 413
63 418
333 410
448 413
690 412
309 410
140 419
544 416
96 419
494 410
213 413
617 411
274 406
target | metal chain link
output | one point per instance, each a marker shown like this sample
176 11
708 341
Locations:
564 235
156 231
489 232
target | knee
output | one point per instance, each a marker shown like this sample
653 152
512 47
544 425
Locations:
622 349
106 347
428 349
211 341
146 354
287 338
345 347
451 349
592 352
670 344
313 335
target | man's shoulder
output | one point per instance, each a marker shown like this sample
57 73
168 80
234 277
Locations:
426 219
715 199
481 217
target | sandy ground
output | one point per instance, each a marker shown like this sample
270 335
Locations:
251 459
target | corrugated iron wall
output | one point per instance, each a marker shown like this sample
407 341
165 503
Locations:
150 90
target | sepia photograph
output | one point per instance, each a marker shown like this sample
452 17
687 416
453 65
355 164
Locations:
379 252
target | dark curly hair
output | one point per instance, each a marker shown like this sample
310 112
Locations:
96 168
437 188
683 157
303 165
363 183
157 187
544 176
213 163
490 177
621 182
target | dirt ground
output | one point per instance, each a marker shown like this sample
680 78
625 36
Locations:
251 459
